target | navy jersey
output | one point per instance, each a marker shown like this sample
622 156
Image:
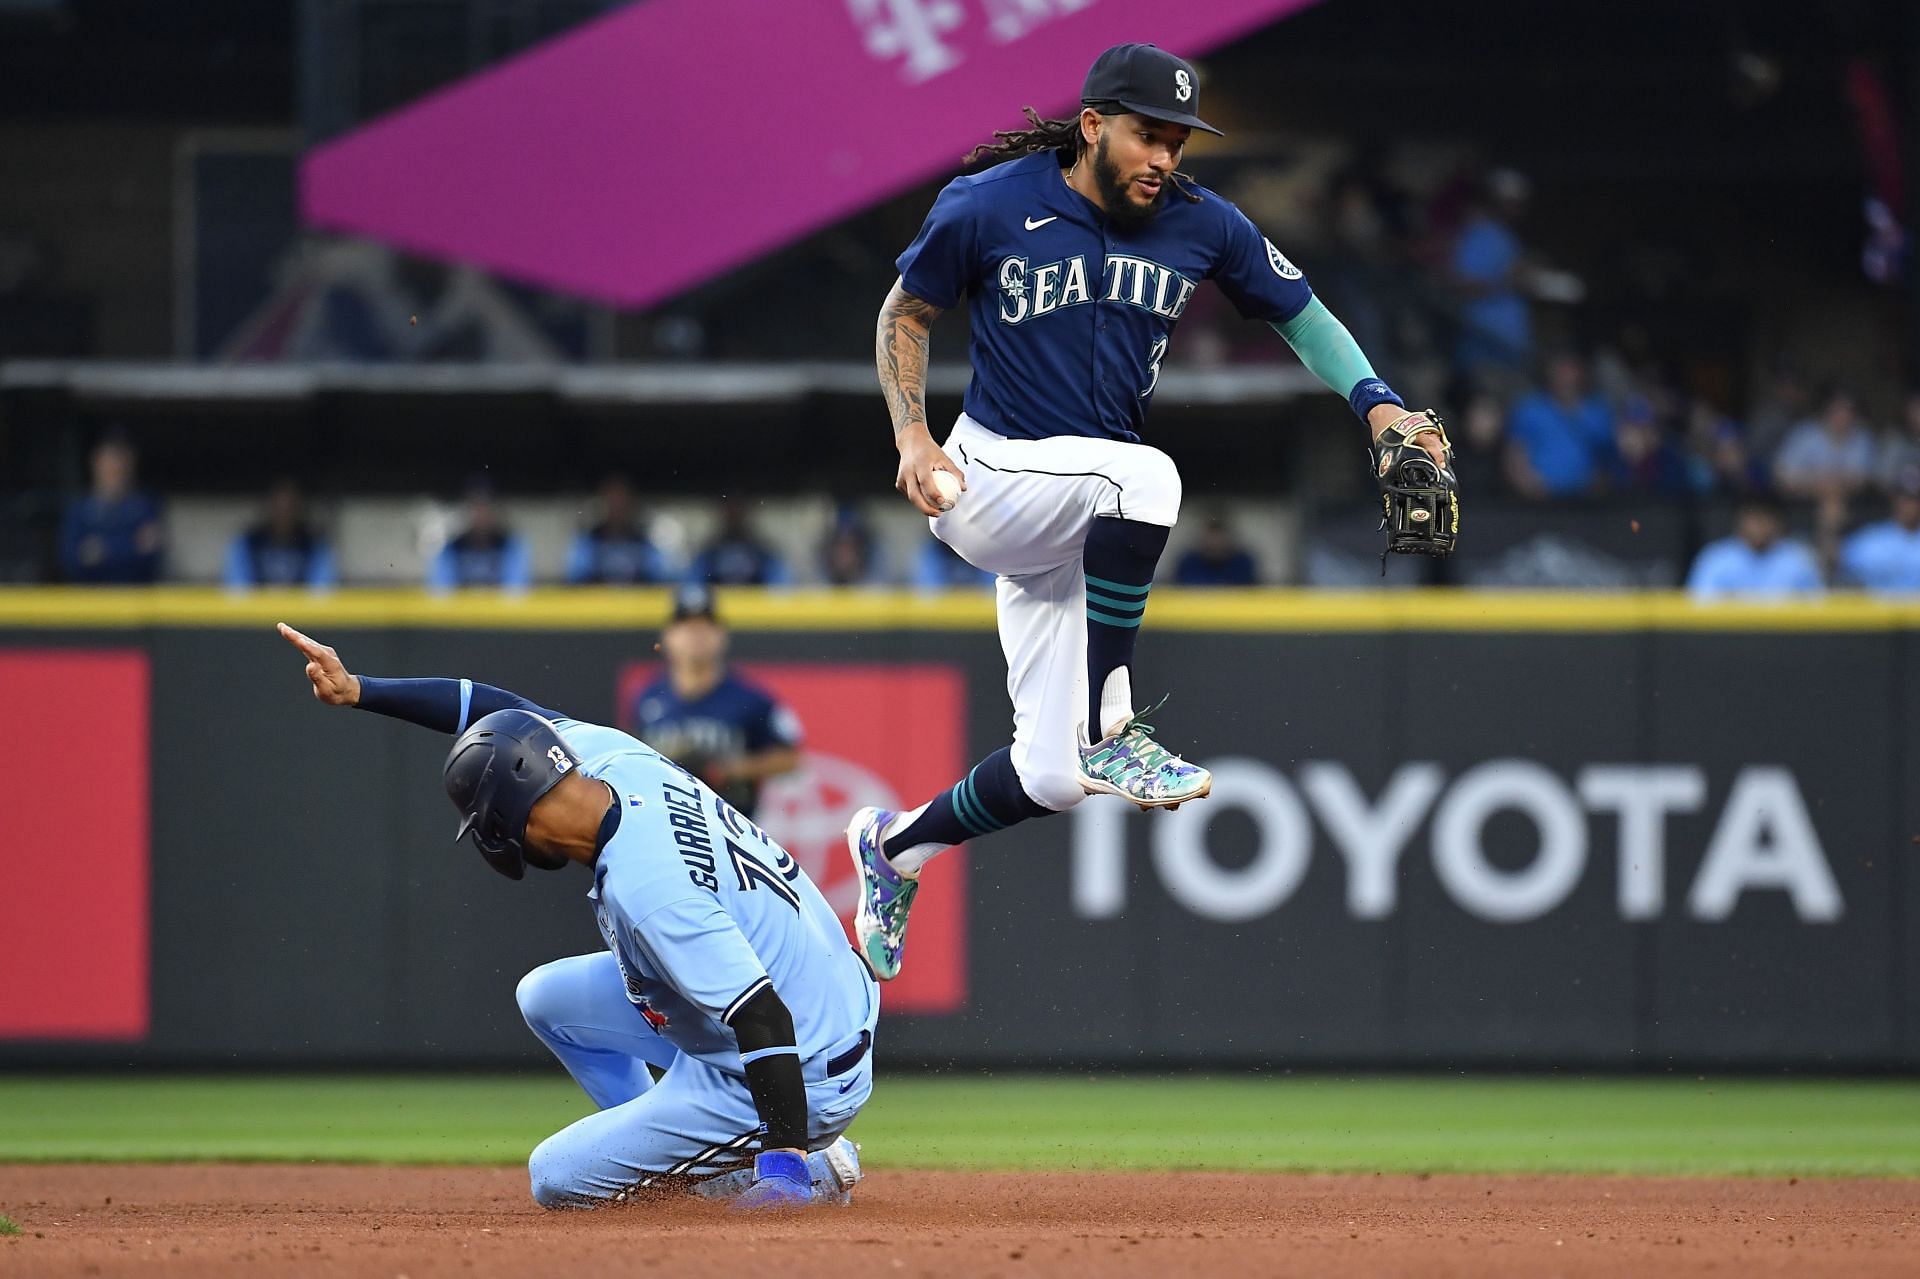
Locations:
703 911
732 719
1071 314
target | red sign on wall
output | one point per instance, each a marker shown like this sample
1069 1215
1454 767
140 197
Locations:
73 849
891 735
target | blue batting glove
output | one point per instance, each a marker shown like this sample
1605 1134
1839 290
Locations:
780 1181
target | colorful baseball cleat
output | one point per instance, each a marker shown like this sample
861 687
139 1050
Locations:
880 923
1133 766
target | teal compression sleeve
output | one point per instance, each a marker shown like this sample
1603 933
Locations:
1330 354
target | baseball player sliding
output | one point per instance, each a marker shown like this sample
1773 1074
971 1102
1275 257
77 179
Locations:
725 968
1078 256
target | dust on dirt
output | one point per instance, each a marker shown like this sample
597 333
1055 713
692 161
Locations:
218 1220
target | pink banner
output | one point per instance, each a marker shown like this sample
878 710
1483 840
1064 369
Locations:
656 147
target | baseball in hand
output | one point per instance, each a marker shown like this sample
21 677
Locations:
946 489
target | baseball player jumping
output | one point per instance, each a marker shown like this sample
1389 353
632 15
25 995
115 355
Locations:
725 968
1078 256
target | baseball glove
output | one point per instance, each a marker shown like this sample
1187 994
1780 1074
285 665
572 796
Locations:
1419 501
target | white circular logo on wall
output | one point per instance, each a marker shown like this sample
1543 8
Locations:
806 813
1281 267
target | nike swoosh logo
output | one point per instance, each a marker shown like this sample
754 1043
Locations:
849 1084
1034 224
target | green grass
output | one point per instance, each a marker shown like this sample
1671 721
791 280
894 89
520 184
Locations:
1768 1127
8 1226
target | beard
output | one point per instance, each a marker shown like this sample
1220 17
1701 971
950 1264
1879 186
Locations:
1124 211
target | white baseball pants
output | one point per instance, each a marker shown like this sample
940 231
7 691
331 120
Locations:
1024 517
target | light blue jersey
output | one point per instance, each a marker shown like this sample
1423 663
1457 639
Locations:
702 911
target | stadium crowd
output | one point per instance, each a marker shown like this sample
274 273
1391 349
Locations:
1458 310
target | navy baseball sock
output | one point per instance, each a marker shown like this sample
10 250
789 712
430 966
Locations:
1119 561
988 799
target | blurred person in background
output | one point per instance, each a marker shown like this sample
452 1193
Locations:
849 557
283 548
724 729
1785 401
112 536
1487 266
1829 458
1651 463
1885 557
736 557
1218 559
1480 455
1561 436
1828 461
484 553
1718 452
616 550
1901 449
1758 561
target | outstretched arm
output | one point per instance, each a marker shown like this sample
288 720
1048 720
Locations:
901 343
1328 350
444 705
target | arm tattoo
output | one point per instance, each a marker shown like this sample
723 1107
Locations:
900 350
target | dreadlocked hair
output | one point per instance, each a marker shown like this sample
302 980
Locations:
1060 136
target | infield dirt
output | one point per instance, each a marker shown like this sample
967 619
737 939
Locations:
277 1219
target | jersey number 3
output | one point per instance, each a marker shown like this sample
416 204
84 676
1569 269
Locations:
1153 366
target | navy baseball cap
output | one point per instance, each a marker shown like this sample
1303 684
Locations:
1148 81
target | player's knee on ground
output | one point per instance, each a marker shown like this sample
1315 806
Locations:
543 1170
555 1180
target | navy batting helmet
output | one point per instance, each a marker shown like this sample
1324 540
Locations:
496 773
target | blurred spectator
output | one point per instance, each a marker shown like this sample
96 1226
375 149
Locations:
484 553
724 729
1718 452
1496 327
848 557
736 557
1562 442
1829 458
1829 462
283 549
939 567
1220 559
1885 557
1652 464
112 536
616 551
1785 402
1759 560
1901 451
1479 446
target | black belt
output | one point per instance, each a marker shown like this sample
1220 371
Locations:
851 1057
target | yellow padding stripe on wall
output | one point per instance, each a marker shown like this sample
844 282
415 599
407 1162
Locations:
1277 610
